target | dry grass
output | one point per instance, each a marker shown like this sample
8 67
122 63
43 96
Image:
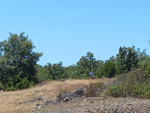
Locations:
47 90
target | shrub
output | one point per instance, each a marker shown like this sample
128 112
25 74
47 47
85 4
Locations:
114 91
12 88
94 89
24 84
134 84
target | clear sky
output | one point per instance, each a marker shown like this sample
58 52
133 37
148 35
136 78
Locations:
65 30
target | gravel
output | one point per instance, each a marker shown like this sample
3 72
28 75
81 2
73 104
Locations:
106 105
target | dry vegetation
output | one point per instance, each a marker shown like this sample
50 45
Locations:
9 101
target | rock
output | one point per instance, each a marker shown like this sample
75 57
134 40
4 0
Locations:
56 101
38 106
79 92
70 96
48 102
60 98
35 99
66 99
39 98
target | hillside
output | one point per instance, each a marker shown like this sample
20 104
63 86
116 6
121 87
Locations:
19 101
24 101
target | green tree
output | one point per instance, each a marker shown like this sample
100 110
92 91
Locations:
99 73
57 70
71 72
144 59
87 64
43 73
17 62
107 68
49 71
127 58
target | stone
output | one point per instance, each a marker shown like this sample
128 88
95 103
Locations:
48 102
35 99
39 98
79 92
60 98
66 99
70 96
38 106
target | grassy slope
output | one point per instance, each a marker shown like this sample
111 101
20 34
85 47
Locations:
47 90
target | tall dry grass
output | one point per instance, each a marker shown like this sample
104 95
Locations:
9 101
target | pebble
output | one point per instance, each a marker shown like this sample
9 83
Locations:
121 105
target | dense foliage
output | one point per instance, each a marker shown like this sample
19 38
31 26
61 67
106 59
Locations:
50 71
127 59
107 69
134 84
19 68
17 62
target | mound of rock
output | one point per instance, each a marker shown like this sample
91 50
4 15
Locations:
60 98
70 96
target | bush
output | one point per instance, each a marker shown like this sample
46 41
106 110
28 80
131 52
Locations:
134 84
136 90
114 91
21 84
12 88
24 84
94 89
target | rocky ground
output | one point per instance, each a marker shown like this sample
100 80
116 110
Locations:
76 103
100 105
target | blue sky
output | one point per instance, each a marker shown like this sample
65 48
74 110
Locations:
65 30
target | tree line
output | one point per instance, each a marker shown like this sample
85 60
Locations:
19 68
127 59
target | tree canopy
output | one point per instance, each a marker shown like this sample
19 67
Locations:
127 59
17 62
19 68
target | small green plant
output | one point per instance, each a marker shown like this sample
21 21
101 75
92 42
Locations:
22 84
